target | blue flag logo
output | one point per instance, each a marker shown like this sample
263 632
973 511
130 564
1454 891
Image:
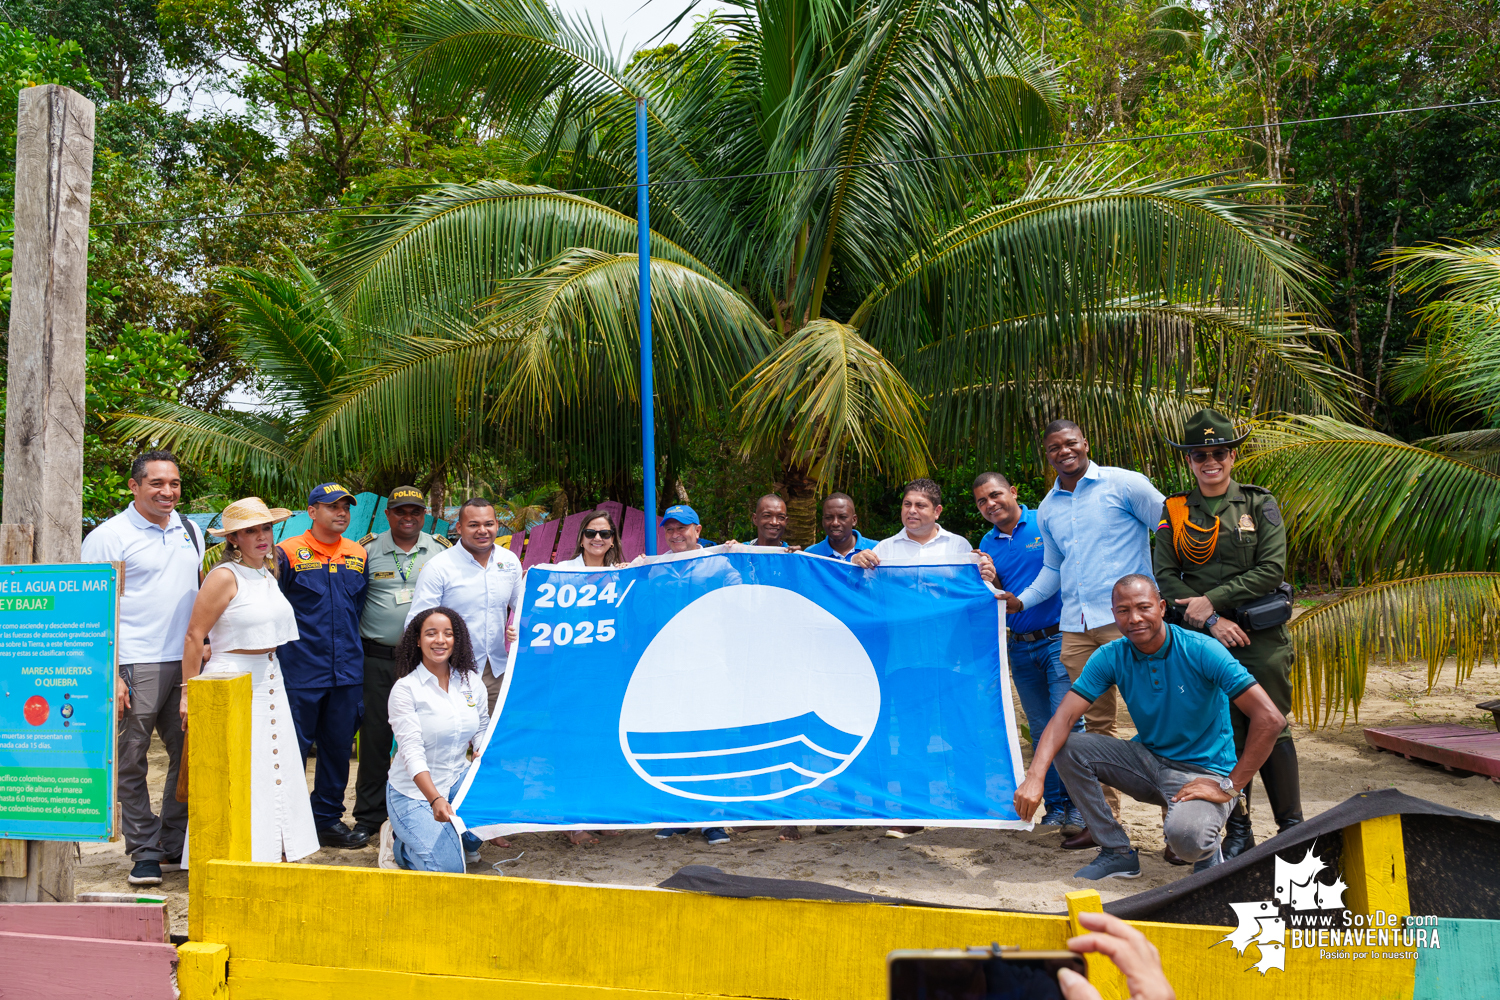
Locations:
718 687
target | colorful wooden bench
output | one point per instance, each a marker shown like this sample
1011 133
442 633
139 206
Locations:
60 951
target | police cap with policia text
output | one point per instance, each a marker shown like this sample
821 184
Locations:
407 496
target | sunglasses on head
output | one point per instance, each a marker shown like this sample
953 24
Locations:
1199 457
604 533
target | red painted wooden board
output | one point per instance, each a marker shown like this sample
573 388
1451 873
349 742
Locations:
1476 750
48 967
117 922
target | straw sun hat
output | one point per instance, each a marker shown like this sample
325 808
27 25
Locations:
247 513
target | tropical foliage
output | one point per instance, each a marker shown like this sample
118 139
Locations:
1419 522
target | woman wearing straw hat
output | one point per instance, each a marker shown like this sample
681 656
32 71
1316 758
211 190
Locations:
245 616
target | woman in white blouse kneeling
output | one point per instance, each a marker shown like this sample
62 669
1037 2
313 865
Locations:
438 710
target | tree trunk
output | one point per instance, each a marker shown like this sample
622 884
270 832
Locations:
437 485
801 504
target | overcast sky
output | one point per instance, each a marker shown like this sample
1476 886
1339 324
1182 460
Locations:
635 23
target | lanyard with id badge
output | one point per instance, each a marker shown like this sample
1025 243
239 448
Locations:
406 591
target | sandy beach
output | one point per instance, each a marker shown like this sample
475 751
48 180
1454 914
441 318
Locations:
1022 870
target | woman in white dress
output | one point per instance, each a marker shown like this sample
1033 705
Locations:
244 615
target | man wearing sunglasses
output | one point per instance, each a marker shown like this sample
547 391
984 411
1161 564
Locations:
393 559
1219 547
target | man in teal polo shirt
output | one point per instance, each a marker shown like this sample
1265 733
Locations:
1178 686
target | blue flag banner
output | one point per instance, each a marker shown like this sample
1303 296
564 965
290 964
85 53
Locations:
750 687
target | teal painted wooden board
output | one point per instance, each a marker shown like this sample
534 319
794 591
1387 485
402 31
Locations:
1466 966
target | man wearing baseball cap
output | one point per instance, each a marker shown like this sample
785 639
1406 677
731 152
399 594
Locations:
393 559
323 576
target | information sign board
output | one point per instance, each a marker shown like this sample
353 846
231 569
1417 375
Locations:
57 700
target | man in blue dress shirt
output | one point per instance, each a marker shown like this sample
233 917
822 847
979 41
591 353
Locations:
1033 641
841 539
1178 685
1096 525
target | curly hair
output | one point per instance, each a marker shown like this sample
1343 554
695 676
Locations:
409 650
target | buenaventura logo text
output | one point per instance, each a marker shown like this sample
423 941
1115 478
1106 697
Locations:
1310 913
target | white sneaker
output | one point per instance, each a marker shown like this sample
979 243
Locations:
387 846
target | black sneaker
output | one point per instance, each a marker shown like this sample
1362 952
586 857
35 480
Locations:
340 836
145 873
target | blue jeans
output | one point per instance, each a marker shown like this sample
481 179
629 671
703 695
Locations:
1042 682
422 843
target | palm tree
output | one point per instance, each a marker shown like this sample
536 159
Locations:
1418 523
835 253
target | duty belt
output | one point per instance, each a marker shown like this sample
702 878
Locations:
1037 636
379 650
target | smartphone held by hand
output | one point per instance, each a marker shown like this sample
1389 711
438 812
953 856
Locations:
992 973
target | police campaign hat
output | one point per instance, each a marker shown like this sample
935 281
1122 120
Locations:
1208 429
407 496
329 493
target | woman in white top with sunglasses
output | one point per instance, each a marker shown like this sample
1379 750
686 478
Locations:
243 613
598 547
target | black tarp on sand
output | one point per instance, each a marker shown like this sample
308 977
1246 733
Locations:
1452 868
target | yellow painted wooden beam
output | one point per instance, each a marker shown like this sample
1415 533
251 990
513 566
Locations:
218 781
1374 862
202 970
1102 972
289 926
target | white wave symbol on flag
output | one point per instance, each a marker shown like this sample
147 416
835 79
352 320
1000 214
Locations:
731 762
720 712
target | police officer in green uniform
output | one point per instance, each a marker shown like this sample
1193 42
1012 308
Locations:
394 558
1219 547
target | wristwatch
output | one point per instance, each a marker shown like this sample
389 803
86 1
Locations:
1226 786
1211 621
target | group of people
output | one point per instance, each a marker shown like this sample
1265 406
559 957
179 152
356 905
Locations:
402 637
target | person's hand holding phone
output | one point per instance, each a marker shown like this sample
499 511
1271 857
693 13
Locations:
1128 948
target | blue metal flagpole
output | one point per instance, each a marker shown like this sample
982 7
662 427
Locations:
643 252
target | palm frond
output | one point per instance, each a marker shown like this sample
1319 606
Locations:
289 329
827 398
235 440
1458 361
1417 618
1479 448
1369 503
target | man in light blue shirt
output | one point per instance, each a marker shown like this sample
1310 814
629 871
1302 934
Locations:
1178 685
1096 525
841 539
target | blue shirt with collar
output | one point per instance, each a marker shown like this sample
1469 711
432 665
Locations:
1095 533
1178 696
823 548
1018 559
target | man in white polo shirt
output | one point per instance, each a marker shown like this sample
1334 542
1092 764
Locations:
482 582
162 554
920 540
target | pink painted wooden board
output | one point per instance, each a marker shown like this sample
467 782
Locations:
115 921
539 544
634 532
1452 746
567 536
518 543
47 967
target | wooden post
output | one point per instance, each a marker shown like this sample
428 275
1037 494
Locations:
1375 867
45 405
219 763
1103 973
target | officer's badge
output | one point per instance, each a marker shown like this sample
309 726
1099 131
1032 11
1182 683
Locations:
354 563
1247 523
305 554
